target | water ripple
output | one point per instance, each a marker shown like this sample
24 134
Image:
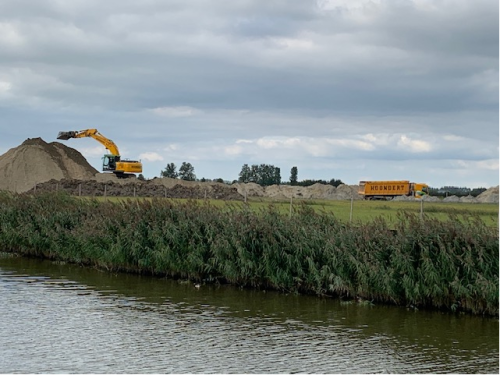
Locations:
56 325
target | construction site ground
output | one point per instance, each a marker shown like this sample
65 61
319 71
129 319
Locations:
38 166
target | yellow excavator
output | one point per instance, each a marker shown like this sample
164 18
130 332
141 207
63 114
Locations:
112 162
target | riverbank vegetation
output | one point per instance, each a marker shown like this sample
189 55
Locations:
447 264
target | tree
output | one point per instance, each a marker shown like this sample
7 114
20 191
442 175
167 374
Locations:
264 174
293 176
277 175
170 171
141 177
186 172
269 175
254 174
455 190
335 182
245 174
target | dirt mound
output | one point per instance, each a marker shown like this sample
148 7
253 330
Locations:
468 199
489 196
250 189
36 161
136 188
316 191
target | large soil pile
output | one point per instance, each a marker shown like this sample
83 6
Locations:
489 196
36 161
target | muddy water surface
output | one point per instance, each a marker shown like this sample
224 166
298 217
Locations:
60 318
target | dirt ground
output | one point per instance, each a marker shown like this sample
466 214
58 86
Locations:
136 188
36 166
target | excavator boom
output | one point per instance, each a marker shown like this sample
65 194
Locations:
108 143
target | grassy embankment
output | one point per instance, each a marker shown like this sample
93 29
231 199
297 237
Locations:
448 264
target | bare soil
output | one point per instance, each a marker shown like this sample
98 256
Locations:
136 188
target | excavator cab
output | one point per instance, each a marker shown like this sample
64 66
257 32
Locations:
109 162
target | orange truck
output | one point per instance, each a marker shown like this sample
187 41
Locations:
385 190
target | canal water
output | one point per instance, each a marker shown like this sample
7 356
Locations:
62 318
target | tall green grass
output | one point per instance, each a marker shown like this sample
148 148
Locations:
450 265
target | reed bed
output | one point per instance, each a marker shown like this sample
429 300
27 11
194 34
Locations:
451 265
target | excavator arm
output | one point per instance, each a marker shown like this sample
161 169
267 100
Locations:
108 143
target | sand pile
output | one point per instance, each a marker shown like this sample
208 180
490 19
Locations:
36 161
250 189
489 196
316 191
426 198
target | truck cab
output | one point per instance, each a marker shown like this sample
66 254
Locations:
420 190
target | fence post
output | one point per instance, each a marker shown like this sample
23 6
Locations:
498 224
350 214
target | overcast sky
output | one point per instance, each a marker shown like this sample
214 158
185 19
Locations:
345 89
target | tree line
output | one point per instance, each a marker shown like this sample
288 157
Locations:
446 191
261 174
186 171
268 174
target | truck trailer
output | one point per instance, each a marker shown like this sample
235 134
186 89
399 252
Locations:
385 190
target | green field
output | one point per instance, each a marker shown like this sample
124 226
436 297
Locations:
364 211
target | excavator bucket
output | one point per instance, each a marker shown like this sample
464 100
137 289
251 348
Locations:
66 135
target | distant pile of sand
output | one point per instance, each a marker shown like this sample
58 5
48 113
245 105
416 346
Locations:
250 189
489 196
36 161
316 191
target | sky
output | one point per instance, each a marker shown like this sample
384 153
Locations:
345 89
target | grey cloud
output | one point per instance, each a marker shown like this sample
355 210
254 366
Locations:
254 69
95 52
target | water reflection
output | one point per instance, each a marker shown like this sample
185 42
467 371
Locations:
64 318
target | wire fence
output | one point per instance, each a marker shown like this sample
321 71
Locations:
100 189
218 192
